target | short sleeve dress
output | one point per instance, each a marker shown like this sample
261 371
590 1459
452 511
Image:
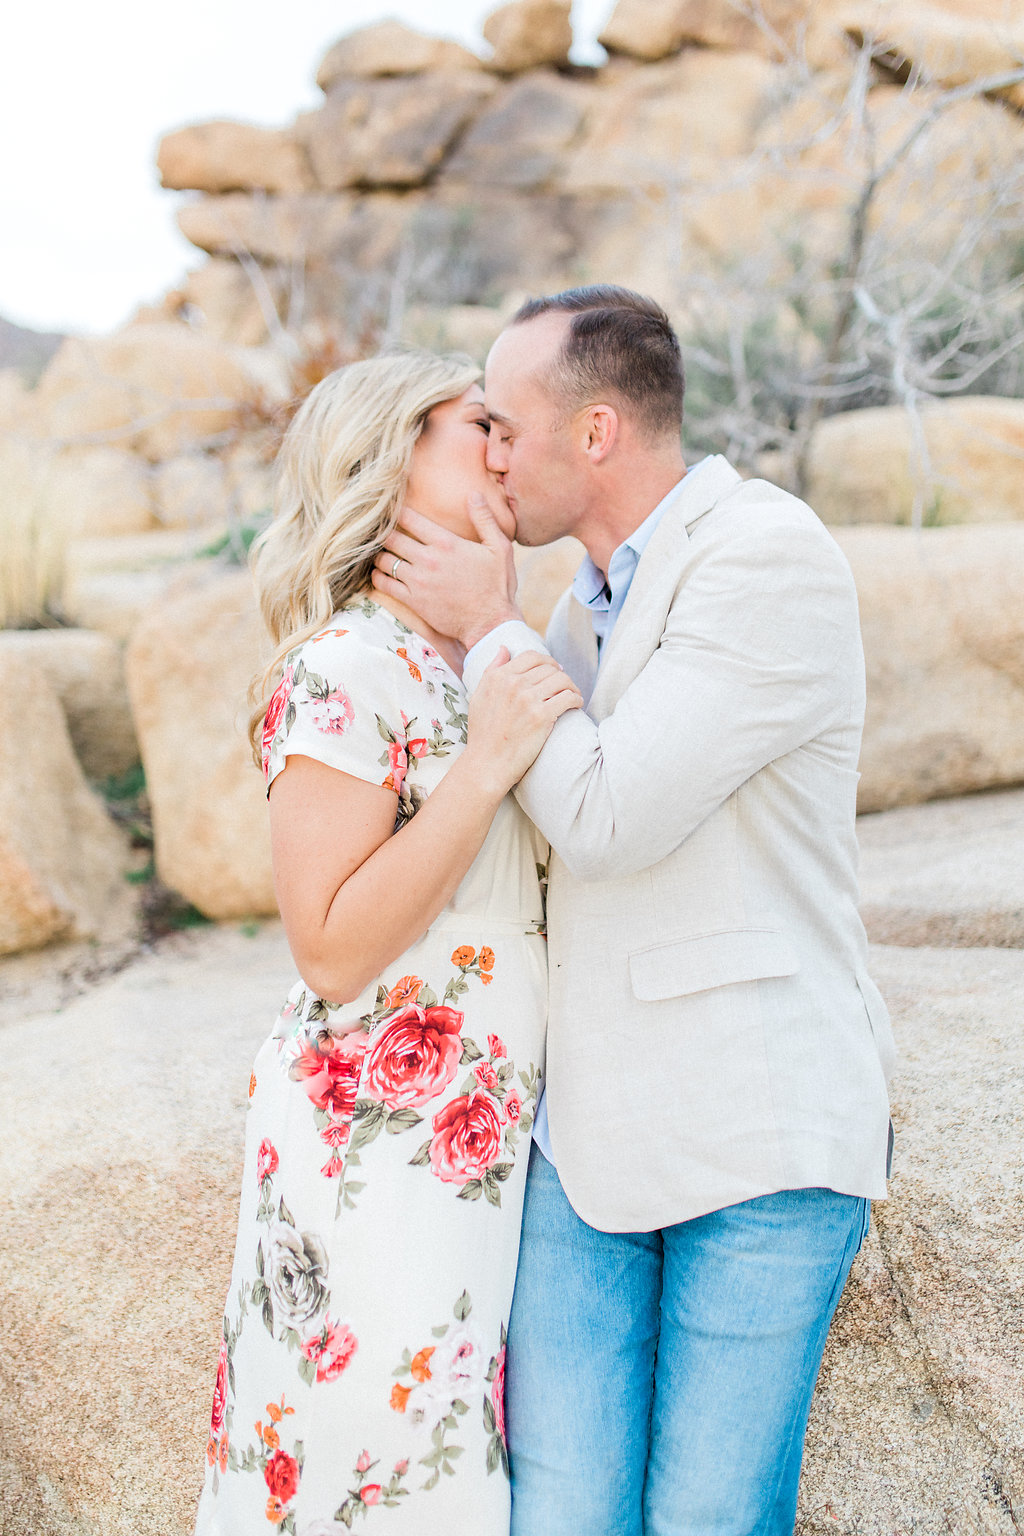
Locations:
362 1360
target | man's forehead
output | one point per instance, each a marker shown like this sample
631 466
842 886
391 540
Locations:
531 342
517 363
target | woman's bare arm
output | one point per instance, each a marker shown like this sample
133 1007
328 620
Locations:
352 896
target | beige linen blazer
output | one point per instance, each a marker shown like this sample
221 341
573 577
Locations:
713 1032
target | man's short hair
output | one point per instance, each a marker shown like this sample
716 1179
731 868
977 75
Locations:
619 346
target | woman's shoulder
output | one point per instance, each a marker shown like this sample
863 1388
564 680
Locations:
364 641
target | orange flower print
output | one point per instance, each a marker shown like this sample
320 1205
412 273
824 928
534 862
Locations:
329 634
275 1510
486 959
252 1084
485 978
222 1453
211 1450
420 1368
399 1397
273 1413
271 1438
405 990
464 955
414 671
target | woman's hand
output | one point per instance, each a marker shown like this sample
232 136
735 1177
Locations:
512 712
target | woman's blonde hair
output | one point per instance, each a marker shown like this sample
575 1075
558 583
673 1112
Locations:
341 477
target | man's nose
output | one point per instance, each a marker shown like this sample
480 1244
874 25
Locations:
495 459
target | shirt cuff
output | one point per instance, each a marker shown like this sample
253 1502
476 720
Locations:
514 634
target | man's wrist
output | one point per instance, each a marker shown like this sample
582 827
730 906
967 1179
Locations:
481 627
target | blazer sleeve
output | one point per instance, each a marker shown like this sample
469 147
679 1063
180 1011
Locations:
760 653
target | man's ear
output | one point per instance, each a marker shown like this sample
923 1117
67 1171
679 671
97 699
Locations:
599 431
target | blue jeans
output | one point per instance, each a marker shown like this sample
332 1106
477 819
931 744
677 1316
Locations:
658 1383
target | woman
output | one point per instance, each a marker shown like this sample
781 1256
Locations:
362 1359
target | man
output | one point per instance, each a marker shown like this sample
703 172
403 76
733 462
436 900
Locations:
715 1120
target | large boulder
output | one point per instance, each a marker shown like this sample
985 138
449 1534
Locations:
653 29
159 388
390 48
948 874
222 298
191 491
946 42
527 34
456 244
817 143
110 583
918 1422
541 115
62 861
85 671
94 492
123 1129
943 633
223 156
285 231
390 133
868 466
189 665
671 123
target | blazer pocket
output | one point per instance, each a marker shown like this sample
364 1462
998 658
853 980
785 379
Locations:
708 960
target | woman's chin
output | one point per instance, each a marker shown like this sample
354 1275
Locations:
506 520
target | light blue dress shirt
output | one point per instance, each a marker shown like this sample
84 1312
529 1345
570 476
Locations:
604 597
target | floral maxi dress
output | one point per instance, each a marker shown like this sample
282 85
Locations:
363 1353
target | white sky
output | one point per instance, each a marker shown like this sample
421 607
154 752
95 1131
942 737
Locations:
86 90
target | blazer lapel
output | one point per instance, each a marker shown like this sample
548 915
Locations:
642 620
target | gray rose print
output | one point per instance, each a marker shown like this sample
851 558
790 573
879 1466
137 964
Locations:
297 1271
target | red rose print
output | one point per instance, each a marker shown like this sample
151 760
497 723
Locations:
331 1349
371 1493
337 1133
272 719
467 1136
266 1160
485 1075
498 1394
402 1467
398 762
328 1069
333 715
220 1391
513 1107
417 747
496 1046
282 1476
364 1463
414 1057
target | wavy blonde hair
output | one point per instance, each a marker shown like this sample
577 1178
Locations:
341 478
